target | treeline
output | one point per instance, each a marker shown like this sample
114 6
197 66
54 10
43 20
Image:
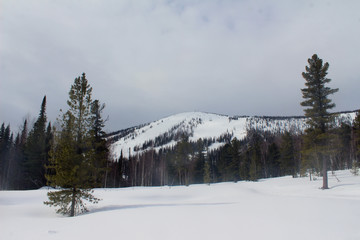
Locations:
23 157
260 155
30 158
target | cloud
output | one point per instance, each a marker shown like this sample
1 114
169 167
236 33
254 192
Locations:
149 59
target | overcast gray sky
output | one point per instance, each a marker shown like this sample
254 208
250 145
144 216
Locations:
149 59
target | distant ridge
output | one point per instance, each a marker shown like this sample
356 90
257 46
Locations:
166 132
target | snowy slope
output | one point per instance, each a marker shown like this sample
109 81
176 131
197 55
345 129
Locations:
278 208
198 125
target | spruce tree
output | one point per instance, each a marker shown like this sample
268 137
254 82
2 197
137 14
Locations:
99 143
317 105
36 152
73 155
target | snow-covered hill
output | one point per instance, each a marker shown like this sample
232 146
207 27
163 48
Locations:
278 208
167 132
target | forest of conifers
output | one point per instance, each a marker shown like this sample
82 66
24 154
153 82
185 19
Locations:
24 155
260 155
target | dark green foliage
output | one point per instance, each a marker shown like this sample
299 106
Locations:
287 157
224 163
6 144
199 164
244 167
18 179
182 161
36 152
310 162
207 173
253 171
97 122
273 160
118 173
356 144
255 154
235 161
340 147
63 200
229 161
75 159
99 143
356 125
317 103
316 94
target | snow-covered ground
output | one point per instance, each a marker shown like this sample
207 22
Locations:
279 208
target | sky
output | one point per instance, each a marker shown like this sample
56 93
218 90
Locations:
150 59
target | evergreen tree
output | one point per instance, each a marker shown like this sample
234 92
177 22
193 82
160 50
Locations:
235 161
36 152
255 156
340 139
207 172
10 164
245 162
274 160
310 162
287 158
20 149
72 156
98 140
253 168
5 148
356 134
2 148
317 103
48 141
181 161
224 164
199 162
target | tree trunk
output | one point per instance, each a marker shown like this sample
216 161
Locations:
73 202
143 170
325 176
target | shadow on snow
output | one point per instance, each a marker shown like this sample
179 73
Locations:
123 207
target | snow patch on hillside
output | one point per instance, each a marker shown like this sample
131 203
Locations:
199 125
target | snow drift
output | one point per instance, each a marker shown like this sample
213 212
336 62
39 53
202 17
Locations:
278 208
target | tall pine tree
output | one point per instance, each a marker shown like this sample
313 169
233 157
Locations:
73 156
317 105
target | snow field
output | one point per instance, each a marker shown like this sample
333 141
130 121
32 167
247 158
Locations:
279 208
